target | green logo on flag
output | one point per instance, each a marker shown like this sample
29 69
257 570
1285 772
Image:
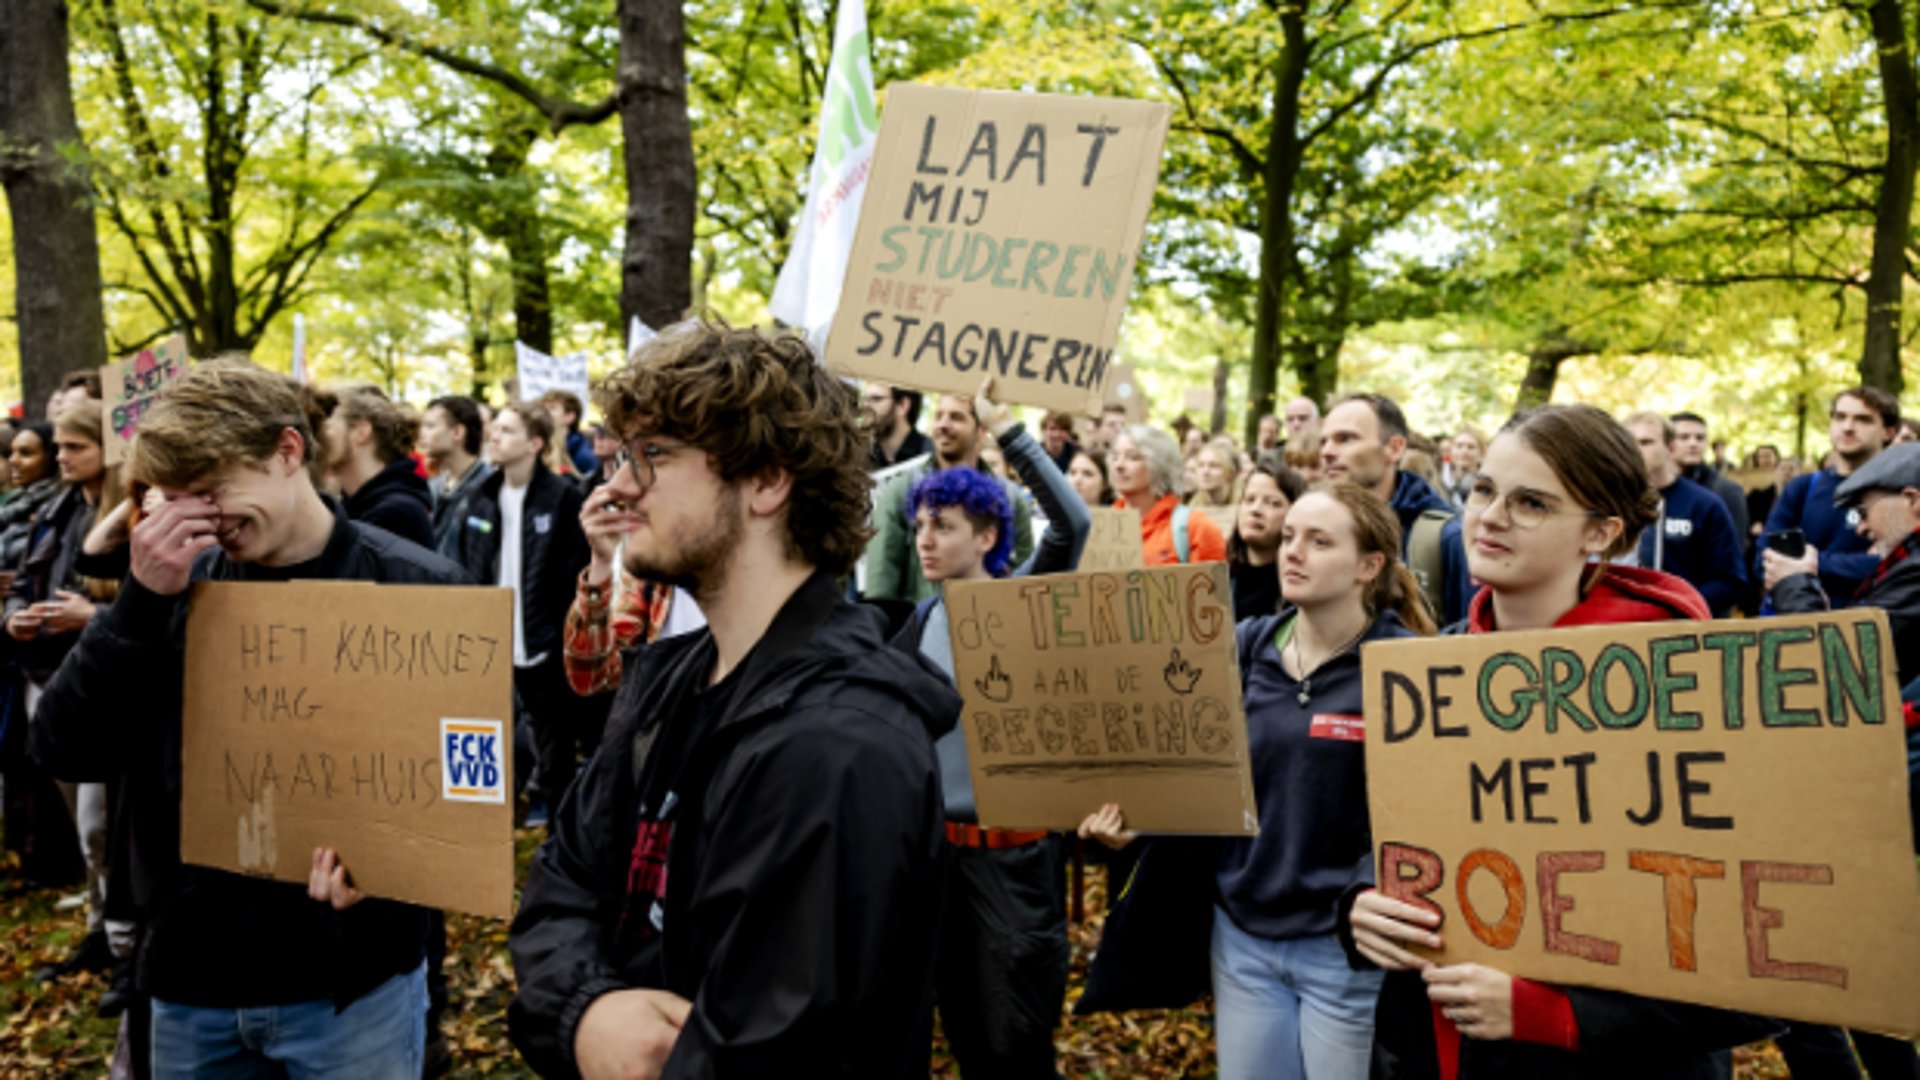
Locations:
849 116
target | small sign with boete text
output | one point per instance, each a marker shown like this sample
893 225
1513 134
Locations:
1705 812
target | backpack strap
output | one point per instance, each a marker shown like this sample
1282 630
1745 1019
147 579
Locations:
1182 543
1427 559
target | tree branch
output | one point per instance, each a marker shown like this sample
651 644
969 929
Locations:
560 113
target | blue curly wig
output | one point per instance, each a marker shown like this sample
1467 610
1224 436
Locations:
980 497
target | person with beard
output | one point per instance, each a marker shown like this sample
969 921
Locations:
369 441
893 570
746 879
1690 443
1859 424
523 532
1362 440
894 413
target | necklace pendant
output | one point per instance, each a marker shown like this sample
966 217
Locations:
1304 696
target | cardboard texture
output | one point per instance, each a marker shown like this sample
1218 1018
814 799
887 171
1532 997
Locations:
1088 688
1114 542
128 387
1706 812
999 233
373 719
1123 389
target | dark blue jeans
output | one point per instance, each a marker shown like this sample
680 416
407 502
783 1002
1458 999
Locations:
381 1036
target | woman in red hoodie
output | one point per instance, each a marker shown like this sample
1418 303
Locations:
1562 490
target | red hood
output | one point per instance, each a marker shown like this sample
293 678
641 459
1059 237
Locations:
1623 594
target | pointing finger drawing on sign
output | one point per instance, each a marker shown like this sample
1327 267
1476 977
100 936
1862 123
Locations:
1180 675
995 685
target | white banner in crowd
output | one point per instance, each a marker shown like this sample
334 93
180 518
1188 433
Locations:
300 348
638 334
808 289
540 373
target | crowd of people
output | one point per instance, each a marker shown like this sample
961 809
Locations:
738 726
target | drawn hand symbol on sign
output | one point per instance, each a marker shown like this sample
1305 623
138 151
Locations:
995 685
1180 675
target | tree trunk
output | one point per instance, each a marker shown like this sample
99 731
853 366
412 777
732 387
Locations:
56 253
1543 369
1217 420
1880 355
1276 220
657 267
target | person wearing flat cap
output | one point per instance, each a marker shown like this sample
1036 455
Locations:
1886 491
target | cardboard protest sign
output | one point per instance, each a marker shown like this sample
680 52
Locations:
539 373
1707 812
1114 542
128 387
372 719
1088 688
1123 389
998 234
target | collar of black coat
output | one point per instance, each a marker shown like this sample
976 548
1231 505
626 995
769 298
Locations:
330 563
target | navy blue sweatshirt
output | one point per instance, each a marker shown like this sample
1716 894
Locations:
1806 503
1413 497
1310 780
1695 540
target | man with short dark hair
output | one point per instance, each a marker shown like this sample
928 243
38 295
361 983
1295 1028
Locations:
1113 421
522 531
1267 436
1860 422
450 438
1693 538
260 976
745 882
893 570
894 413
1362 439
1690 443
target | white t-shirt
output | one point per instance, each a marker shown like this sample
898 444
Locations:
513 504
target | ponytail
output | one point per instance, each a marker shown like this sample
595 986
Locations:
1398 591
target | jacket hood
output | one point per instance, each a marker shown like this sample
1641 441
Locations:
838 646
1413 496
1612 594
397 481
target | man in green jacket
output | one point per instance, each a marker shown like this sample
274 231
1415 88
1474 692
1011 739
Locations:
893 569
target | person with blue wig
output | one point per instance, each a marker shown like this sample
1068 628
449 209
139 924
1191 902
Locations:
1000 978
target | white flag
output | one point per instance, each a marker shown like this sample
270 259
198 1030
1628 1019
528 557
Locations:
808 290
299 348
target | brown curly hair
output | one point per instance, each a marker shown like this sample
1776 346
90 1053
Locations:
756 402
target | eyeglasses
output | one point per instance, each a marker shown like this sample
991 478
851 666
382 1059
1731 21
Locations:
643 463
1526 508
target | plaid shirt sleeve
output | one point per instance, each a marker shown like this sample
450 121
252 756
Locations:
595 634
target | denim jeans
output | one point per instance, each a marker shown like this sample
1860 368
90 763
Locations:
381 1036
1290 1009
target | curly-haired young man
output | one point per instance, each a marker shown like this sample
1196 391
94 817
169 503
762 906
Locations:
745 879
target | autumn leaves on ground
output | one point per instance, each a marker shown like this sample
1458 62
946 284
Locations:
50 1029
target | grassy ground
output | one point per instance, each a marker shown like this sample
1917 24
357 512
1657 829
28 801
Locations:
51 1029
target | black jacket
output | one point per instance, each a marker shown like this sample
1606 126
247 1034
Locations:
553 551
46 567
802 877
450 508
395 499
112 712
